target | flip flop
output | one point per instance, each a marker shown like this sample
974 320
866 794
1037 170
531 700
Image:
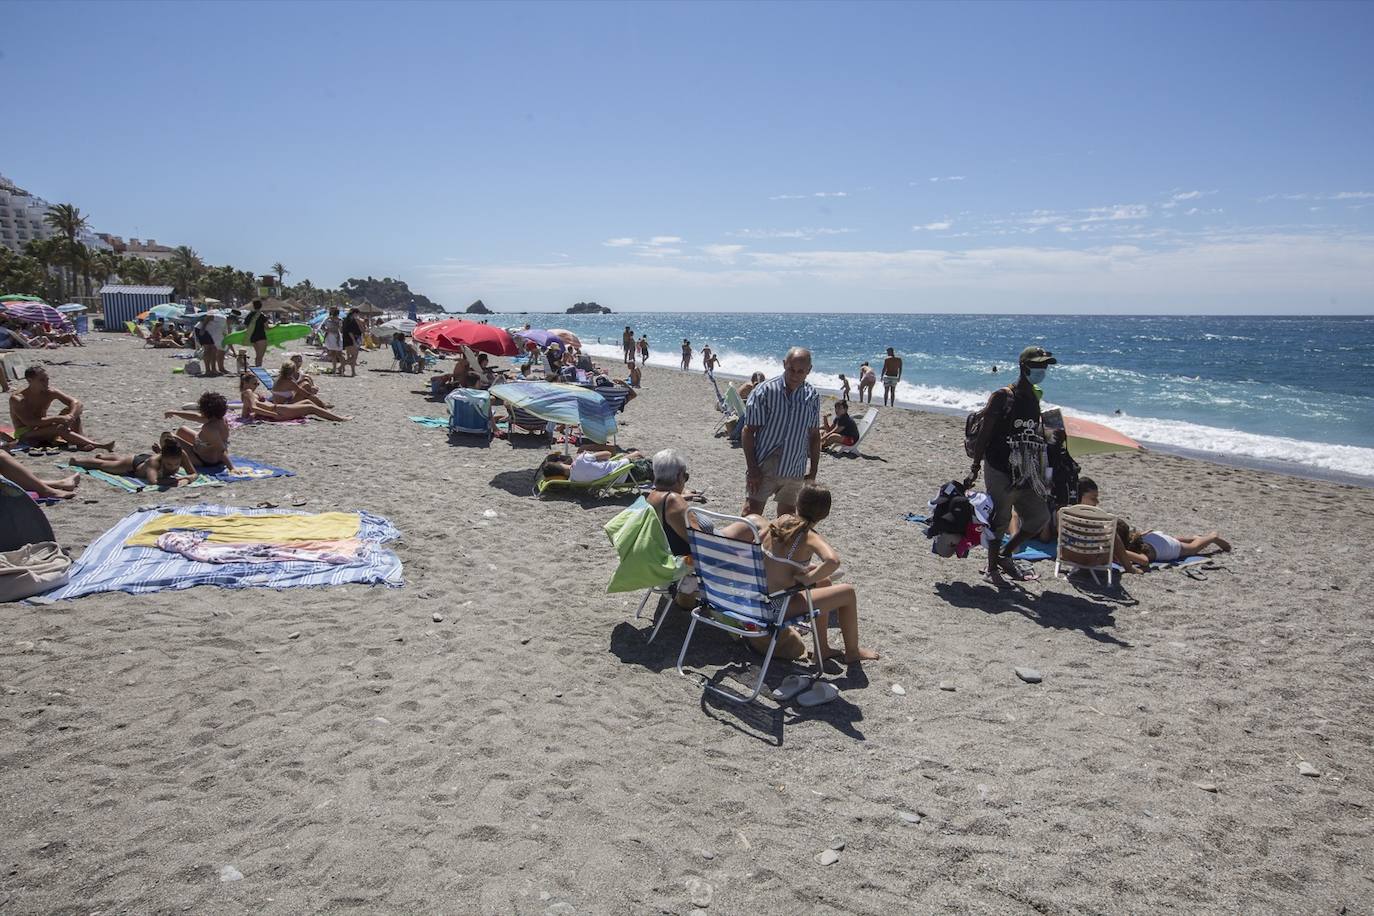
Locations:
791 686
1018 571
818 694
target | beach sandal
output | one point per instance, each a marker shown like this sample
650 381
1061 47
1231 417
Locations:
1018 571
818 694
791 686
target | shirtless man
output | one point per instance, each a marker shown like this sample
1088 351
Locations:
627 341
892 374
208 445
32 425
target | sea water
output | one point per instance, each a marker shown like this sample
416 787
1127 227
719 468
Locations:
1291 392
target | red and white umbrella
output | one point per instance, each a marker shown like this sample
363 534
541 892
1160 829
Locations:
452 334
568 337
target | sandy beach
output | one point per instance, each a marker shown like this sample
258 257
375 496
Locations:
257 751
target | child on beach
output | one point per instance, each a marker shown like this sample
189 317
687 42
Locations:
844 388
842 431
157 468
209 444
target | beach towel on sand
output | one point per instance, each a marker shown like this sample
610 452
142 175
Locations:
273 528
1033 550
194 545
245 469
109 566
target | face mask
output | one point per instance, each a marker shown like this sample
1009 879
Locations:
1036 376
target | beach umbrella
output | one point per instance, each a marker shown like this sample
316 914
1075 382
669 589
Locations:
559 403
1088 438
71 308
450 334
538 336
367 308
568 337
394 326
318 318
166 311
38 312
16 297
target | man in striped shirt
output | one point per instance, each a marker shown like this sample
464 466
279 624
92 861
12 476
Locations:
782 437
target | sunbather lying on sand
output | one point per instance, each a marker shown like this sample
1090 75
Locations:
15 472
157 468
1134 550
209 444
255 408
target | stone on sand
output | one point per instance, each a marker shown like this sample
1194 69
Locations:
1307 769
1029 675
828 857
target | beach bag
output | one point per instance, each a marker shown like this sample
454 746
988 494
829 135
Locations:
973 425
32 570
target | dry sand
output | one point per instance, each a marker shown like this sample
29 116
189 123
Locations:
530 754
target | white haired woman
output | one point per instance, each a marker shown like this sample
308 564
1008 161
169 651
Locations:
670 483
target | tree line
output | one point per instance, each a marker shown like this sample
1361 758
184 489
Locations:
62 268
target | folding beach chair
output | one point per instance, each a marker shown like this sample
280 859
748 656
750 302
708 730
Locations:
721 405
401 358
1086 537
613 484
13 365
264 378
527 422
734 594
736 405
864 426
615 395
469 412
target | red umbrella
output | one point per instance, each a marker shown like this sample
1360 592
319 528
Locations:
451 334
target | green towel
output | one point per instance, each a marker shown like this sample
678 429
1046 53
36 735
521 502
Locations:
430 422
645 560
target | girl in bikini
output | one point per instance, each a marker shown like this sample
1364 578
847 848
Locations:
790 544
156 468
209 445
255 408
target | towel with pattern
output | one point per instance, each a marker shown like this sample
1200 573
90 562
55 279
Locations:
195 545
270 528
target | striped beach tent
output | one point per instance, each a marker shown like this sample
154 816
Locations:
122 303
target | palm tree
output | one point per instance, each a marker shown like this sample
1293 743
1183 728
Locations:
106 265
184 267
138 271
68 221
83 261
280 271
46 252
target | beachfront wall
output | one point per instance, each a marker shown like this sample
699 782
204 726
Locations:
122 303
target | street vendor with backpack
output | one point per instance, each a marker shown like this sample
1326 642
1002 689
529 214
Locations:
1010 448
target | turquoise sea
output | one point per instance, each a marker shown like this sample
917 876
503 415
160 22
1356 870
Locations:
1292 393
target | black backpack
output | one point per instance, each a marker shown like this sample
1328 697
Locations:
973 426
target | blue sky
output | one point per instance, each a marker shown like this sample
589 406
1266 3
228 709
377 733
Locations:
889 157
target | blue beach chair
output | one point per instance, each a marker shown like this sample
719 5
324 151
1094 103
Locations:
734 594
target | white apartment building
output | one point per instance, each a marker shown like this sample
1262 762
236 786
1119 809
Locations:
21 219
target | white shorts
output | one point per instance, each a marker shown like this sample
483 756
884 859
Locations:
1166 547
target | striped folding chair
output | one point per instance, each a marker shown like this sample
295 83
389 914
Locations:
615 395
734 594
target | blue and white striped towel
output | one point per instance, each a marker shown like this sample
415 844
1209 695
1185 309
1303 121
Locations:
108 566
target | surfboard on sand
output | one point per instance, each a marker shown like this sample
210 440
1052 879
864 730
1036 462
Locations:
277 335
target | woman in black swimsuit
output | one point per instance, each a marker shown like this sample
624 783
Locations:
670 480
352 339
154 469
256 325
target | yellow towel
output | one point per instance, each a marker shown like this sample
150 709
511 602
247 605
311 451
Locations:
253 529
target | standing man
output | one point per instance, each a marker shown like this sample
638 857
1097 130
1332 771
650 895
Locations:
644 349
892 374
782 436
627 341
686 354
1011 445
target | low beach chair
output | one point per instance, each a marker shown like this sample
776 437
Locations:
721 404
1086 537
401 358
864 426
615 395
264 378
469 412
735 597
736 405
527 422
615 483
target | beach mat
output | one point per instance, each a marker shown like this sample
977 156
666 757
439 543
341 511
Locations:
1033 550
108 566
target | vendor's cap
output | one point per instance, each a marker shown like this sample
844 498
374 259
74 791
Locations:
1037 356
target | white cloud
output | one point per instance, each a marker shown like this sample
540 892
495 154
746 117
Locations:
788 197
805 196
618 243
831 194
806 233
1179 197
947 178
724 253
1339 195
934 227
665 240
1353 195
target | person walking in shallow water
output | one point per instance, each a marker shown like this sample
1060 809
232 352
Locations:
627 341
686 354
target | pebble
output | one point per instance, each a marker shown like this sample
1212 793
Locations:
1207 786
707 854
381 721
489 513
911 817
437 618
1029 675
1307 769
295 635
526 640
947 685
230 873
899 690
700 892
837 843
828 857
